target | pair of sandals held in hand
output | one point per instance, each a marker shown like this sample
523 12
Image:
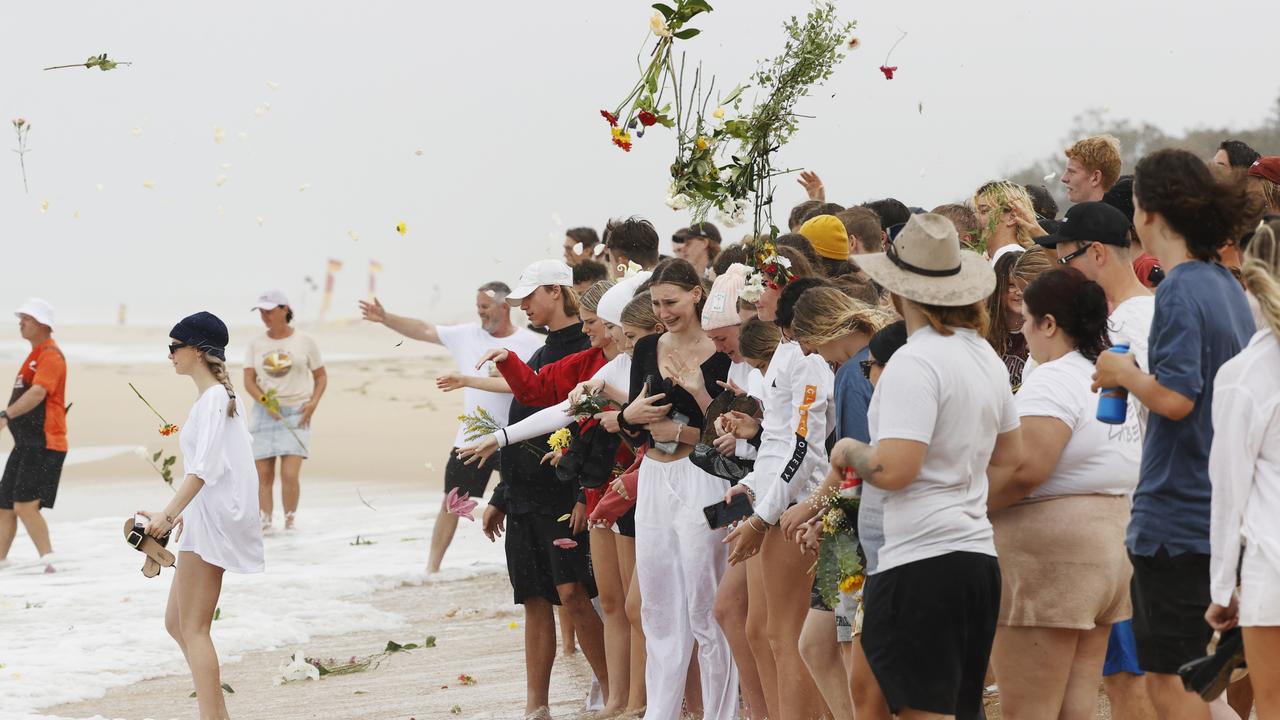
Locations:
154 550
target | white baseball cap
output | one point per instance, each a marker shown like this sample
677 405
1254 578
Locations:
542 272
270 300
38 309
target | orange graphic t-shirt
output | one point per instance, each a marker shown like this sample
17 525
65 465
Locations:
46 425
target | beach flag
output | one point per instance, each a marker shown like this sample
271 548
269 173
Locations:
375 267
335 266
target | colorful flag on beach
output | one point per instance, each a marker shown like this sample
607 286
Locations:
335 266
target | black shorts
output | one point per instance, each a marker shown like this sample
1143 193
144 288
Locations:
31 473
470 479
1170 596
536 566
927 630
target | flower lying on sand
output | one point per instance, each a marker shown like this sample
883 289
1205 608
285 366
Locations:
462 506
296 669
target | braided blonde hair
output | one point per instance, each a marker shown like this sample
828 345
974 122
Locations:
219 370
1261 270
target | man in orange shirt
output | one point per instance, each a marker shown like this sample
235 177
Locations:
37 418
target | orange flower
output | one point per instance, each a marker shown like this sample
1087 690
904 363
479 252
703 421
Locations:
168 429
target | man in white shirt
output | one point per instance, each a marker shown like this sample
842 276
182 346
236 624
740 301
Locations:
468 343
1094 239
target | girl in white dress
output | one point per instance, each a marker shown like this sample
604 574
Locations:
215 508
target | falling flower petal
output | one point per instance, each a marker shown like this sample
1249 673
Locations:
563 517
462 506
598 250
402 228
1050 177
888 71
219 180
303 187
854 43
577 248
44 206
218 134
565 543
418 152
513 625
242 135
99 187
136 131
149 184
224 166
353 235
75 214
273 85
260 220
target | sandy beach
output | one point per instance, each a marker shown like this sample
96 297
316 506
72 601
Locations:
89 641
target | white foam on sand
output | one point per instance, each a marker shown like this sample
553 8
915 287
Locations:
92 453
98 623
131 352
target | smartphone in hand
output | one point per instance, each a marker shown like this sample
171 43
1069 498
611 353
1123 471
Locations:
724 514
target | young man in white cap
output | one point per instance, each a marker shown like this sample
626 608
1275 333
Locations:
285 362
547 565
37 418
467 342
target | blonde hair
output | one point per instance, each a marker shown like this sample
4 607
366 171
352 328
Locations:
1261 270
568 299
638 312
590 299
1031 264
1003 196
825 314
942 319
1101 153
219 370
757 340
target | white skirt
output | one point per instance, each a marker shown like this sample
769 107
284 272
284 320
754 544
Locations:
1259 590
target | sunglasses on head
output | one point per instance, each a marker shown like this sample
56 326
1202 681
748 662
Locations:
175 347
1066 259
866 366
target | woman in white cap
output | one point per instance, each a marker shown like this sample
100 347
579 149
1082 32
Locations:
284 372
214 506
942 423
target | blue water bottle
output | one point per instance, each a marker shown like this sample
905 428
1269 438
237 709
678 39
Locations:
1113 403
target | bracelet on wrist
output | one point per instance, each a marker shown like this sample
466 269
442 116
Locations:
751 521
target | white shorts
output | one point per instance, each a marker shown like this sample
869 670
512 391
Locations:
1259 590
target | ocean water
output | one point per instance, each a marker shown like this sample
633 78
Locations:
135 352
98 623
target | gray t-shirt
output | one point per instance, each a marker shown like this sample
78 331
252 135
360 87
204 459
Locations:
1201 321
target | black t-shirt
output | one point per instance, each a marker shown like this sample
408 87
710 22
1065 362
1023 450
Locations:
527 485
644 368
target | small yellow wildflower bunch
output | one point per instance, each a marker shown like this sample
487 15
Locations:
560 439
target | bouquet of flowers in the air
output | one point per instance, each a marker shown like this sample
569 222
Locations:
588 404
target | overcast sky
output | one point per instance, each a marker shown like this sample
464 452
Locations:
502 100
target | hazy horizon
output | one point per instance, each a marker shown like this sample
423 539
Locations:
502 100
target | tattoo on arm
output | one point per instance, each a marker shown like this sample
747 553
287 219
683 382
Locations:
862 457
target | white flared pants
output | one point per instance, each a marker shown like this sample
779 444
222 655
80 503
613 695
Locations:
679 561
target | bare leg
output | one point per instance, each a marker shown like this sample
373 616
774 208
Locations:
539 651
627 558
1081 699
1032 667
199 585
821 653
1128 696
37 528
588 627
787 585
693 686
1172 701
758 634
566 631
868 700
731 614
441 536
1240 696
617 630
290 487
8 531
266 485
1262 651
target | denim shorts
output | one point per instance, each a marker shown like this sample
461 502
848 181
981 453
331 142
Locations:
277 438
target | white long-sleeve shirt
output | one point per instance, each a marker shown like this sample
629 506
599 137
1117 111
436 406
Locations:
616 372
1244 462
749 379
798 415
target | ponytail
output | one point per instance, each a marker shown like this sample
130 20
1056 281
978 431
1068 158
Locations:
1261 269
219 370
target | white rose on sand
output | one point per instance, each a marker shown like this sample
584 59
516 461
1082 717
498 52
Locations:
658 25
296 669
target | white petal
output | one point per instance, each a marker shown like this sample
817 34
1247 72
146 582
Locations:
149 184
303 187
260 220
273 85
219 180
577 248
136 131
1050 177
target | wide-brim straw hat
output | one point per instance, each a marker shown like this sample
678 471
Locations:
925 264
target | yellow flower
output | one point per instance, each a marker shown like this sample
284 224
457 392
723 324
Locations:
560 439
852 584
701 143
718 114
402 228
658 25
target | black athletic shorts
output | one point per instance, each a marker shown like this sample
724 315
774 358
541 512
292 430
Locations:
1170 596
927 629
536 566
470 479
31 473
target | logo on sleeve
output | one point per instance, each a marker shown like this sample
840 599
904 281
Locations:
810 394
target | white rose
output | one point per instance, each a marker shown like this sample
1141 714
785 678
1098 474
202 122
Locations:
678 202
658 25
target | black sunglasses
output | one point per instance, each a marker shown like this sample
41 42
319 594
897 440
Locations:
866 366
1066 259
175 347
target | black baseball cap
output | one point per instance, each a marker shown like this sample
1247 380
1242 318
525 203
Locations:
1090 222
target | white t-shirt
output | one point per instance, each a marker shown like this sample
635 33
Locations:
951 392
1099 459
221 523
1130 323
286 365
468 343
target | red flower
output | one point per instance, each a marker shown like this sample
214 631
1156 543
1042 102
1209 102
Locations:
888 71
771 268
773 285
625 145
647 118
613 119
